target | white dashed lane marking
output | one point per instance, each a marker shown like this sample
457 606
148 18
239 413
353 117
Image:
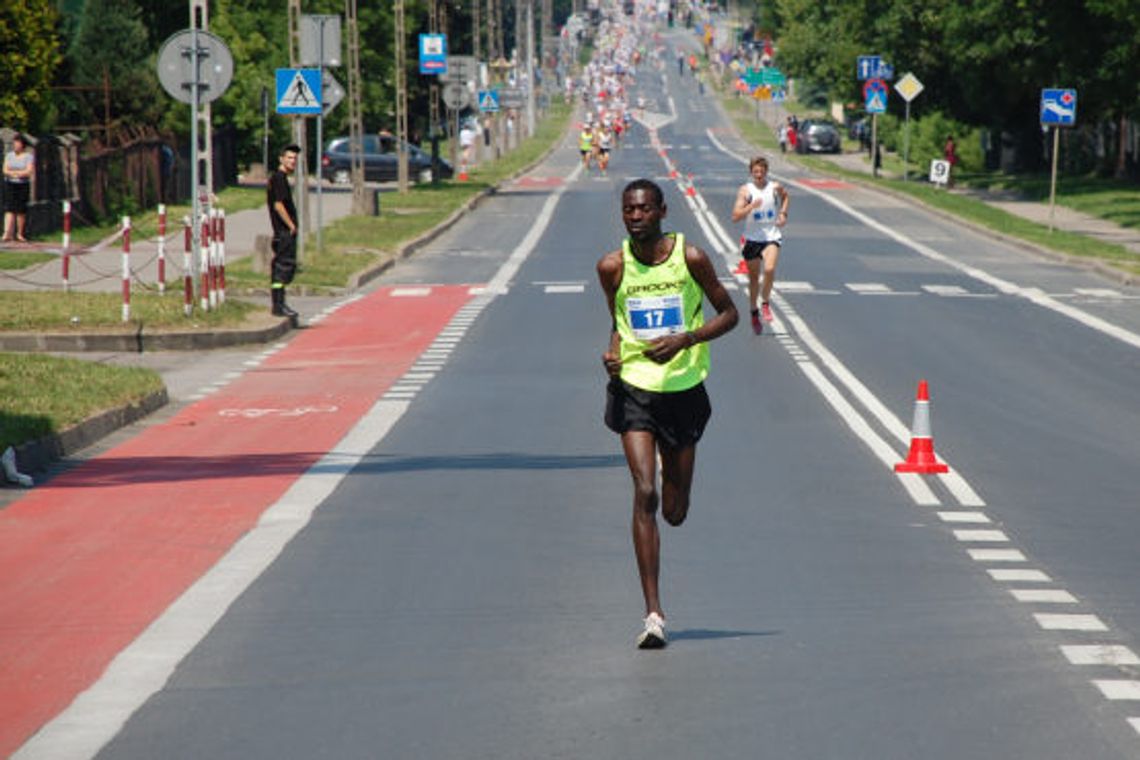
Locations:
1043 596
1100 654
1119 689
1052 622
1019 576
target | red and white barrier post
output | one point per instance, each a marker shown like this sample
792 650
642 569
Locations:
126 268
66 257
204 266
187 272
221 255
161 249
212 221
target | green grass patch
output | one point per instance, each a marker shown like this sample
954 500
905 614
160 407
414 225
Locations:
41 395
59 312
14 260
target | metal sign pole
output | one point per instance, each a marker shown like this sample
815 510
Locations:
874 145
320 134
195 203
1053 181
906 144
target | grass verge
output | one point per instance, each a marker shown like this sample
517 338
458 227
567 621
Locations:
42 395
80 312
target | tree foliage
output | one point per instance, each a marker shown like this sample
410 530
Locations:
983 63
29 57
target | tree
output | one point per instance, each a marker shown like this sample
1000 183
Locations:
29 57
111 38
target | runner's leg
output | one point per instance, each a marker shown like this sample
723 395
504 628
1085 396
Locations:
640 452
676 482
770 257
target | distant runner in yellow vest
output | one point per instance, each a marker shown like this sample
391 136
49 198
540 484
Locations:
657 360
586 145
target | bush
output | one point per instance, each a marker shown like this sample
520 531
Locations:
928 138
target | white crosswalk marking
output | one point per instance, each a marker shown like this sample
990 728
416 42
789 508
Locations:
868 287
1119 689
996 555
571 288
963 517
410 292
1100 654
1051 622
1022 576
987 536
1043 596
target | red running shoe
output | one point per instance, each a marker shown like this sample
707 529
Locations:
766 312
757 325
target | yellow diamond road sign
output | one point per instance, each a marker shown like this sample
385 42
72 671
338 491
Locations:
908 87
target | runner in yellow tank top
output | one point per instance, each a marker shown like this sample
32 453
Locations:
656 359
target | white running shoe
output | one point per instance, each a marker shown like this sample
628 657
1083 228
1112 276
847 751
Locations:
653 637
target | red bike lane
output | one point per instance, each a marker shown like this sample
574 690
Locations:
91 558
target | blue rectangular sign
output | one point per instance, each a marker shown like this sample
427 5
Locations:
489 101
299 91
1058 108
867 67
433 53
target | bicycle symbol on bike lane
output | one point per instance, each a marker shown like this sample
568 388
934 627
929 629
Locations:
299 411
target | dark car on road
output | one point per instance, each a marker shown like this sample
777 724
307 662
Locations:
379 161
818 136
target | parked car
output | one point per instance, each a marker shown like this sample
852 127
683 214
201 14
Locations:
818 136
379 161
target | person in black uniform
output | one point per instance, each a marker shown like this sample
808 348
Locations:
283 217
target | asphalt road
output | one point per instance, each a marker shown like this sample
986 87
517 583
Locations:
467 589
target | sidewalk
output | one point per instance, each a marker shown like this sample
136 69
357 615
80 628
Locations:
1064 218
100 267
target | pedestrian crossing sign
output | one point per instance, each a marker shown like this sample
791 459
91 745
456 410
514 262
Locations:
876 102
489 101
299 91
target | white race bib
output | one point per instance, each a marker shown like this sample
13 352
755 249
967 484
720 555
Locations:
654 316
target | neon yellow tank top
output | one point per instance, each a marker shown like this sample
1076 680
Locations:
585 140
653 301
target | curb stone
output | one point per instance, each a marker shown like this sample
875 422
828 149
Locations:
35 456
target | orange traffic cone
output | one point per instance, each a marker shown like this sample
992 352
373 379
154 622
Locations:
921 457
692 190
741 268
462 173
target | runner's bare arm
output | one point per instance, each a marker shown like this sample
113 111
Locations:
741 206
609 275
782 193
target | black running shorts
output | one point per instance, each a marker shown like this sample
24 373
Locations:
676 419
754 249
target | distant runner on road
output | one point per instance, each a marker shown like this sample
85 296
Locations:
657 361
763 206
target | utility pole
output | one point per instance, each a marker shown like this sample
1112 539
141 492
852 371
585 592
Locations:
355 112
401 100
200 20
477 32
